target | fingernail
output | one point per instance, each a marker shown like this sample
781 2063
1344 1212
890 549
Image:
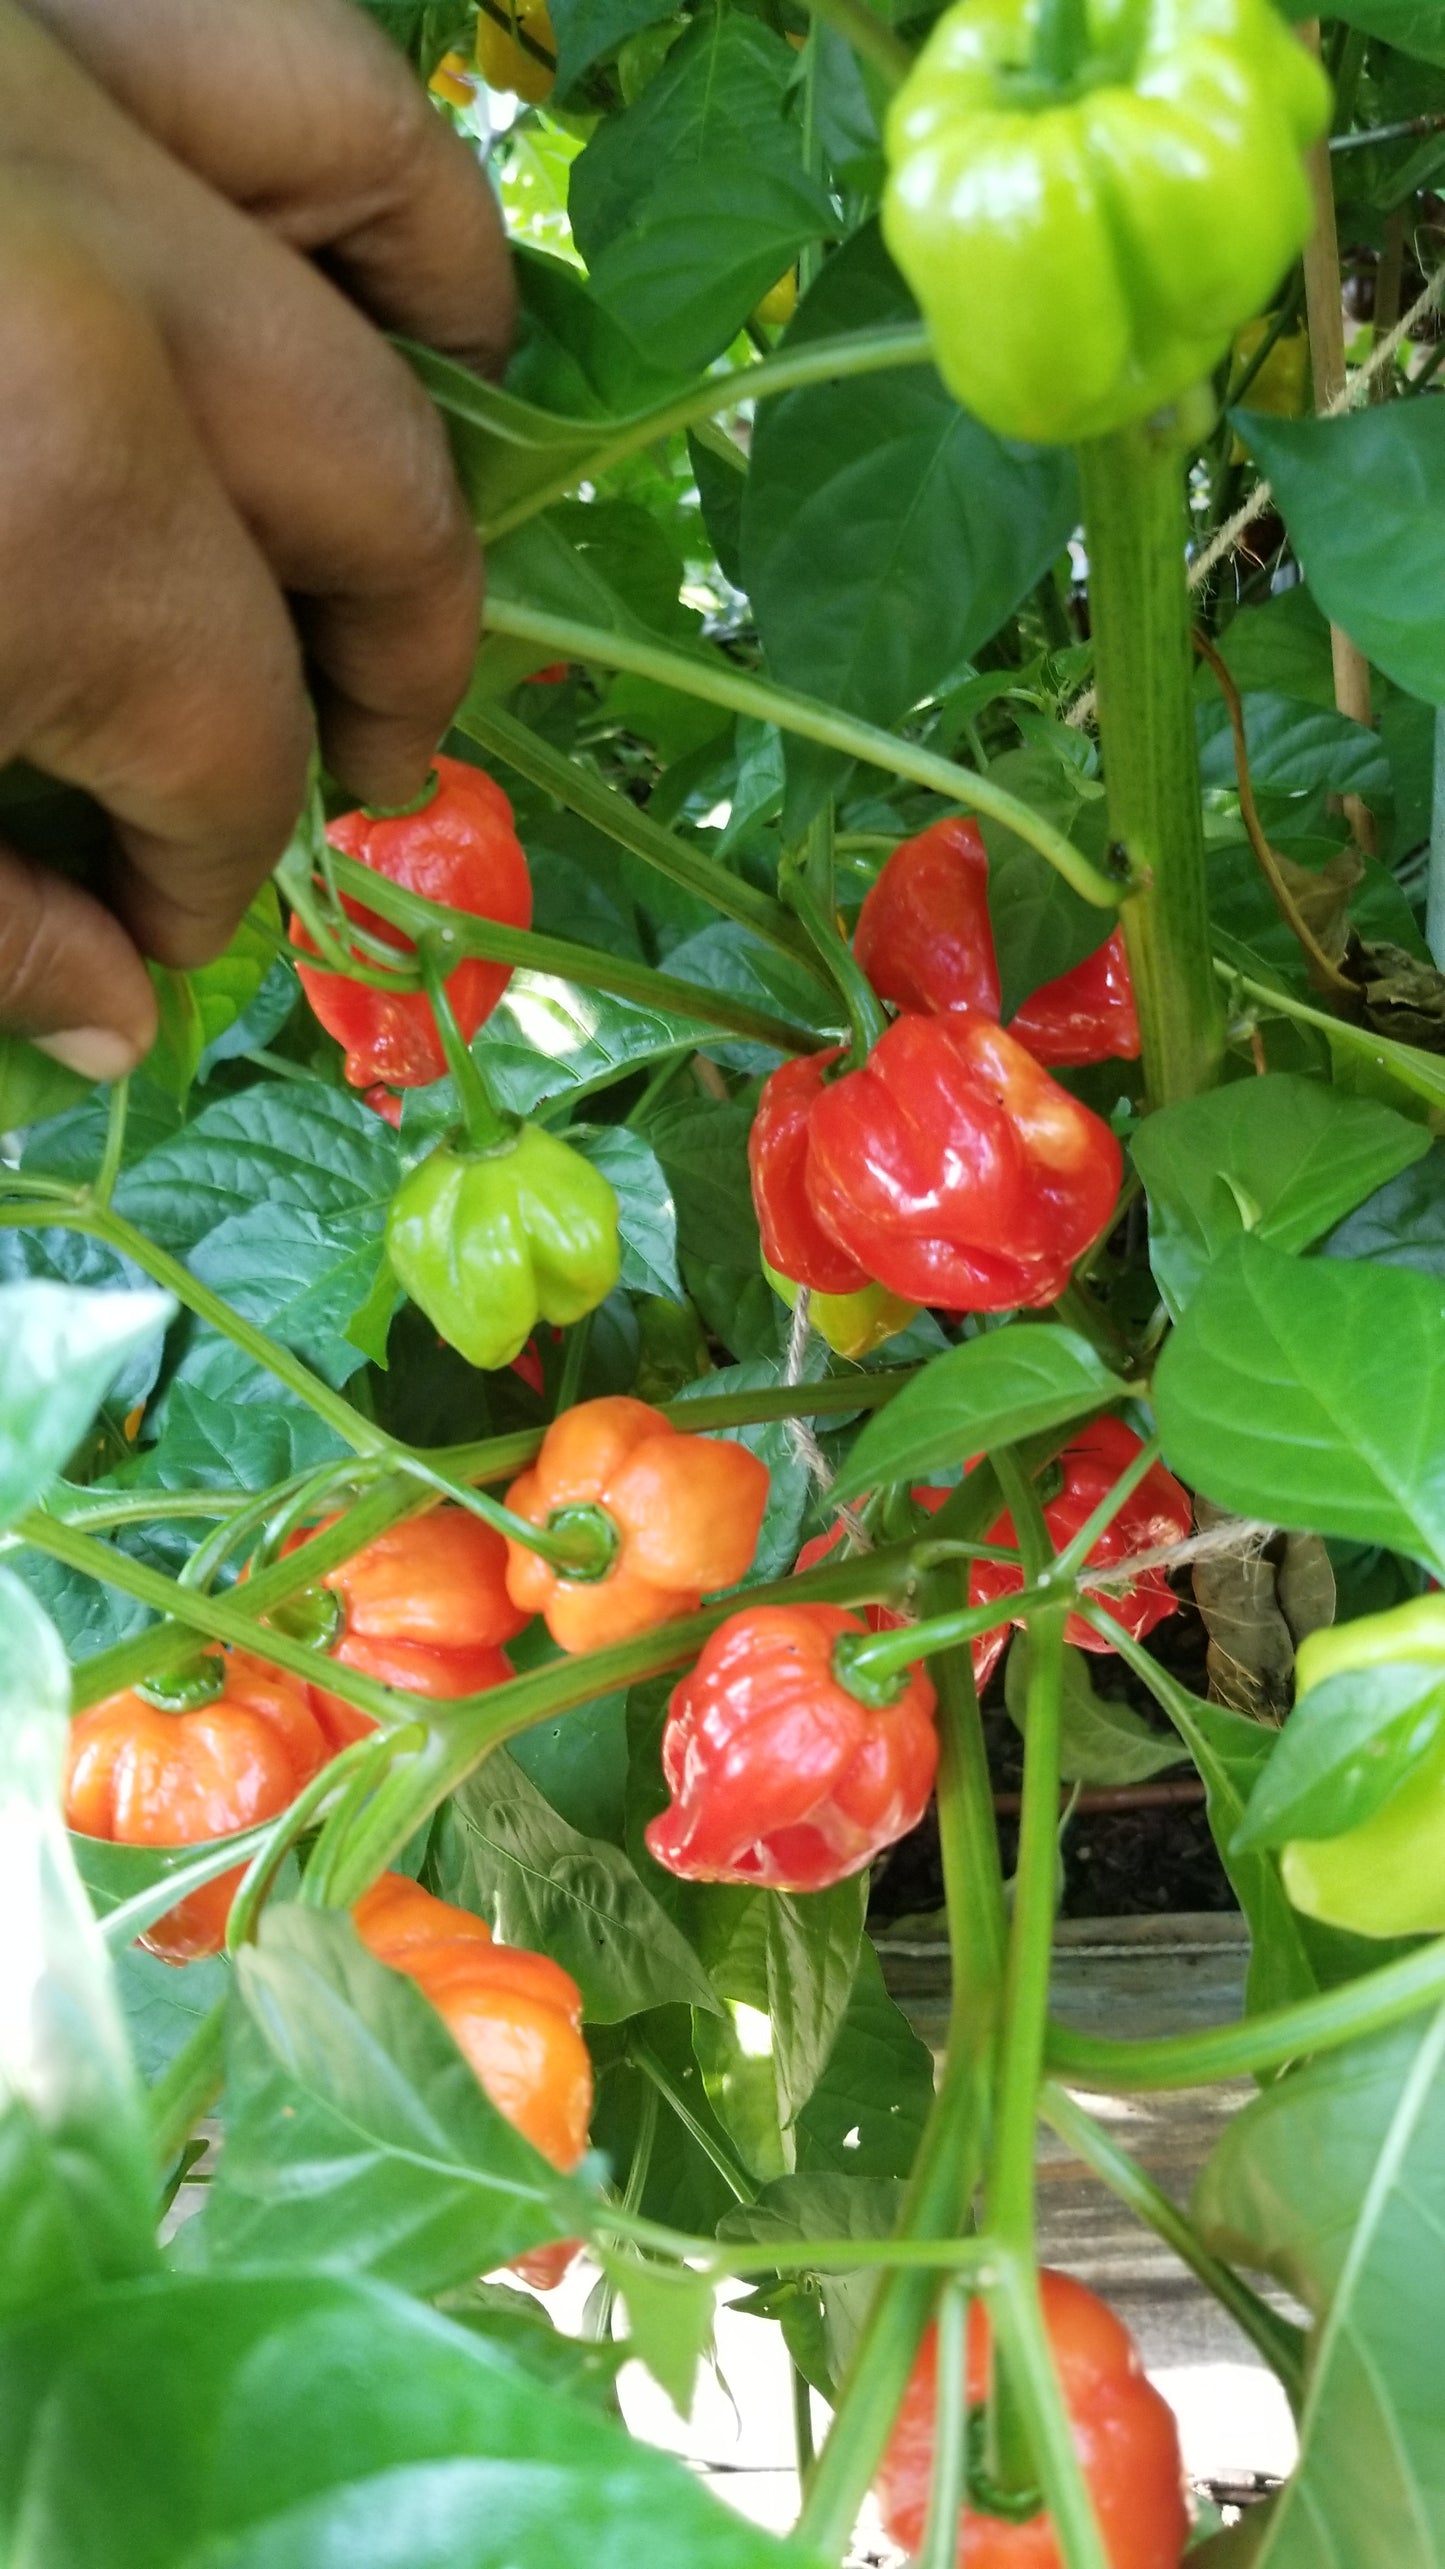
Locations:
94 1052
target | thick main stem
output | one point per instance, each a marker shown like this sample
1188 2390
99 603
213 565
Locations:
1139 610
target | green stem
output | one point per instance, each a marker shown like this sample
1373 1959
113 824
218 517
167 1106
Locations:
497 1458
573 1362
818 361
188 2085
805 2452
1278 2340
950 2155
580 789
734 2176
103 1187
939 2549
588 966
866 1016
1140 616
710 678
1017 2315
486 1129
867 1667
1075 1554
1061 40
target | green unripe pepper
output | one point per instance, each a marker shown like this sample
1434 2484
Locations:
1089 197
487 1243
1387 1876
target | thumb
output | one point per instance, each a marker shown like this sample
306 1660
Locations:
70 978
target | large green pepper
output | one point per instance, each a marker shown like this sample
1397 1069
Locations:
1385 1877
1088 197
488 1243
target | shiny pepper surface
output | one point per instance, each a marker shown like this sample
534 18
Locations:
925 940
487 1243
145 1777
461 849
1158 1512
950 1169
1385 1876
516 48
852 1324
515 2015
685 1513
424 1607
1124 2434
779 1775
1084 240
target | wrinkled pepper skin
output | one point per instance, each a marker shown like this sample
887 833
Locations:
462 849
852 1324
143 1777
1385 1877
1124 2433
795 1244
516 48
924 936
949 1169
424 1607
779 1775
1084 252
516 2016
925 940
487 1243
1157 1513
686 1512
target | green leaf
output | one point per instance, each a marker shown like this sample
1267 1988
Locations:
33 1086
1414 25
587 30
218 1444
1309 1392
63 1350
1293 749
283 2422
303 1277
1104 1741
703 1148
1403 1223
689 205
669 2317
357 2137
1041 927
647 1219
1334 2181
76 2188
866 2115
990 1391
1281 1157
1377 571
789 1480
886 534
297 1145
821 2313
728 957
503 1851
813 1943
1345 1747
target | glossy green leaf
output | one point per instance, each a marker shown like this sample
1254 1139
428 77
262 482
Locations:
1293 749
1379 571
1040 926
1403 1223
1103 1739
1308 1392
298 1145
1414 25
76 2190
646 1216
1334 2181
1345 1747
302 1276
866 2114
813 1941
286 2422
669 2319
502 1850
990 1391
63 1350
357 2137
1280 1157
821 2313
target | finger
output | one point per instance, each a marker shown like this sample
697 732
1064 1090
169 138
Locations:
303 112
145 650
69 974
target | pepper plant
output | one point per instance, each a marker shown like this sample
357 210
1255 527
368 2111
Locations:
878 1120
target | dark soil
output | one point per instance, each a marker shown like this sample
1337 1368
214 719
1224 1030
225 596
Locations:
1116 1864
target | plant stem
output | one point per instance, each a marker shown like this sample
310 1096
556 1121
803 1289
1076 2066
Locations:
1139 611
1017 2315
883 1655
187 2085
733 2174
866 1016
939 2549
950 2154
710 677
486 1129
103 1185
1277 2340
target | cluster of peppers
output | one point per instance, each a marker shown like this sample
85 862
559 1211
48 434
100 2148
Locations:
949 1168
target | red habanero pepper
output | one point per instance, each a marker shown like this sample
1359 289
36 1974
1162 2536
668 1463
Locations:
424 1607
683 1514
384 1102
924 936
779 1774
1124 2433
925 940
949 1168
142 1775
1157 1513
460 849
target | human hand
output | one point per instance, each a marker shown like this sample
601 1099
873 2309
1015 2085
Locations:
219 485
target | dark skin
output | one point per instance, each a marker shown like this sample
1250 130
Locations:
221 492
